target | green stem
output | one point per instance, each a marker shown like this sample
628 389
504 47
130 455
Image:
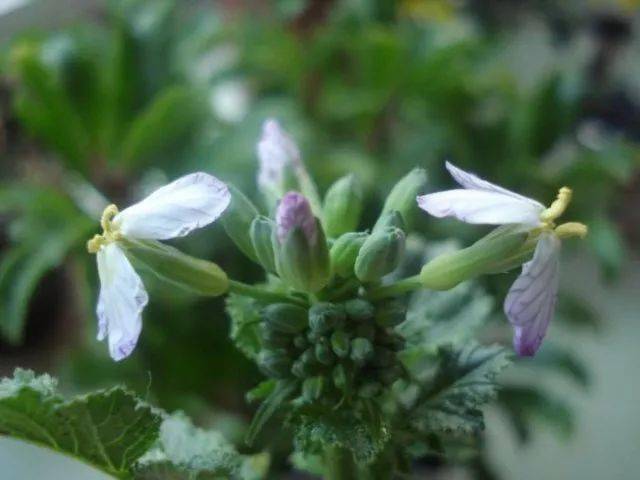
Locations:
402 286
261 294
339 464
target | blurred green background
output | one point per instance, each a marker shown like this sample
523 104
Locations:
109 99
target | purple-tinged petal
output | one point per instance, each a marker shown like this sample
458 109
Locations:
530 303
276 152
294 211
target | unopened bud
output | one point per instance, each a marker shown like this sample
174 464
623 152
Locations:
325 316
369 390
237 219
323 353
272 338
391 314
392 218
380 254
285 317
358 310
345 251
261 234
312 388
274 363
361 350
403 195
340 343
342 206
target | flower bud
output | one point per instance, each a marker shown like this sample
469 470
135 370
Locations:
380 254
302 257
300 342
323 353
170 264
340 343
272 338
391 374
391 314
312 388
345 251
342 206
369 390
487 255
274 363
403 195
339 376
361 350
325 316
237 219
358 310
285 318
392 218
261 234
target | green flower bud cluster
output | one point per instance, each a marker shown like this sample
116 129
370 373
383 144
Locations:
337 351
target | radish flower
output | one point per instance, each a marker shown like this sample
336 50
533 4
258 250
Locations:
530 303
174 210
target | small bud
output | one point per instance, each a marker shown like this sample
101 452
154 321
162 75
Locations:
380 254
391 374
272 338
323 353
300 342
339 376
358 310
340 343
171 265
302 257
361 350
345 251
261 233
342 206
391 314
325 316
403 195
369 390
285 317
312 388
237 219
274 363
392 218
487 255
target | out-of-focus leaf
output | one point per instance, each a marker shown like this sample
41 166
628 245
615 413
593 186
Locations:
171 116
576 312
525 405
245 318
606 241
561 361
109 429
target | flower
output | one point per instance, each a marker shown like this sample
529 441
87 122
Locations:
531 300
174 210
294 211
278 154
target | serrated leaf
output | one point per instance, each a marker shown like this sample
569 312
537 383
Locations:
364 435
187 452
245 318
463 381
109 429
282 391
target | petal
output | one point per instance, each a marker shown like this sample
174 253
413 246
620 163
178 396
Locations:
473 182
176 209
480 206
530 303
121 301
276 151
294 211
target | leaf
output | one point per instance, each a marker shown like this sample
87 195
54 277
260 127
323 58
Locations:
186 452
525 405
245 318
109 429
261 391
171 116
365 435
283 390
561 361
463 381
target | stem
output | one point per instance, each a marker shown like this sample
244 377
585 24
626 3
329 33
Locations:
402 286
261 294
339 464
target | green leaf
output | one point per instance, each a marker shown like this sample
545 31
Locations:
463 381
109 429
170 117
283 390
245 318
186 452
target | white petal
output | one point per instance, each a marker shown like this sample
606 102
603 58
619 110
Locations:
121 301
473 182
276 151
480 206
176 209
530 303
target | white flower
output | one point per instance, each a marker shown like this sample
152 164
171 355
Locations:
530 303
174 210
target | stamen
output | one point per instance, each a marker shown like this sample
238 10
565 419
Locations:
107 217
571 229
109 233
558 207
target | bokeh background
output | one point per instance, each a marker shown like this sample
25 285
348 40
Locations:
109 99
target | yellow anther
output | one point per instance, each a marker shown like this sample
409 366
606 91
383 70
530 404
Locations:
109 232
558 206
571 229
